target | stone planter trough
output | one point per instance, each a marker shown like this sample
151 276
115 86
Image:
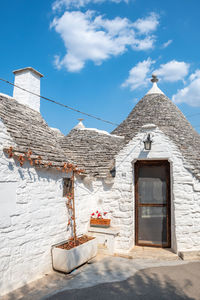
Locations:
67 260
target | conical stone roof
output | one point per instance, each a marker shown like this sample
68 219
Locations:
29 131
160 110
93 150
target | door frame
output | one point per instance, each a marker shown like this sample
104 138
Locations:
137 164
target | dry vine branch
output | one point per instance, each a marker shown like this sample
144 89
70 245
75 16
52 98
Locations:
67 167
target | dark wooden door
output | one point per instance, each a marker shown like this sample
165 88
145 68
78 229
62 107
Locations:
152 195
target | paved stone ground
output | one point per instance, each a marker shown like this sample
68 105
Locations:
117 277
175 283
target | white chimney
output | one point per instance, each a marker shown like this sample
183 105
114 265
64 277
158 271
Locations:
29 79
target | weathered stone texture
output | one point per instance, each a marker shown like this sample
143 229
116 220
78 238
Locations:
94 151
160 110
29 131
184 200
35 216
119 198
36 219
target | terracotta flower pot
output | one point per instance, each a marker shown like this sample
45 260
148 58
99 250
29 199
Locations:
99 222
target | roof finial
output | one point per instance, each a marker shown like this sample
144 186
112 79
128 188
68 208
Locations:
154 78
80 124
154 89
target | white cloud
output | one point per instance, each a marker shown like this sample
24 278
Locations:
173 71
191 93
165 45
138 75
144 44
148 24
195 75
58 4
89 37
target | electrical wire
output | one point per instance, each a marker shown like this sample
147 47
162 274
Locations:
60 104
71 108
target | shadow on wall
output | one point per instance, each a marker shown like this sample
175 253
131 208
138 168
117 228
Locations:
37 174
107 186
84 183
143 154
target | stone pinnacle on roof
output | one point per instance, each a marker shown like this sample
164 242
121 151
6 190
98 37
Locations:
155 89
80 124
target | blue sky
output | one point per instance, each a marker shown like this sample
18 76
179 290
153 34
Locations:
98 55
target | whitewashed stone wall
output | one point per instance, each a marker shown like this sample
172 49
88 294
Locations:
119 198
33 217
33 214
31 82
185 196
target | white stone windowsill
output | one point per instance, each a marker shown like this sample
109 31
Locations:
110 230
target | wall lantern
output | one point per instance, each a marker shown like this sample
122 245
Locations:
147 143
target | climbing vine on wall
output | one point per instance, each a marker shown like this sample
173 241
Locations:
38 161
66 167
70 203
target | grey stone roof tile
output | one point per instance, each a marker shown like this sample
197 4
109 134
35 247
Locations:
95 150
29 131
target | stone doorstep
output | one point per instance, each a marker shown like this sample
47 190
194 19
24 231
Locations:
189 255
152 253
138 252
159 254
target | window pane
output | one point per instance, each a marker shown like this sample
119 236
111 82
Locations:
152 225
152 184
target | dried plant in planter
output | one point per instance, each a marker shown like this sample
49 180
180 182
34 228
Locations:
79 241
76 251
68 192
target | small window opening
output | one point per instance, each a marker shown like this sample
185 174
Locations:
67 187
113 172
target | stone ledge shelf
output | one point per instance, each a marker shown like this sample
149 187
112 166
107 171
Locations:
105 238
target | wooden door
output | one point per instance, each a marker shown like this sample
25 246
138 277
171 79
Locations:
152 203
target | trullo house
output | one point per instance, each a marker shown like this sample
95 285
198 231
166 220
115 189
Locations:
145 174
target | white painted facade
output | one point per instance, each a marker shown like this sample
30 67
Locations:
33 214
118 199
33 217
